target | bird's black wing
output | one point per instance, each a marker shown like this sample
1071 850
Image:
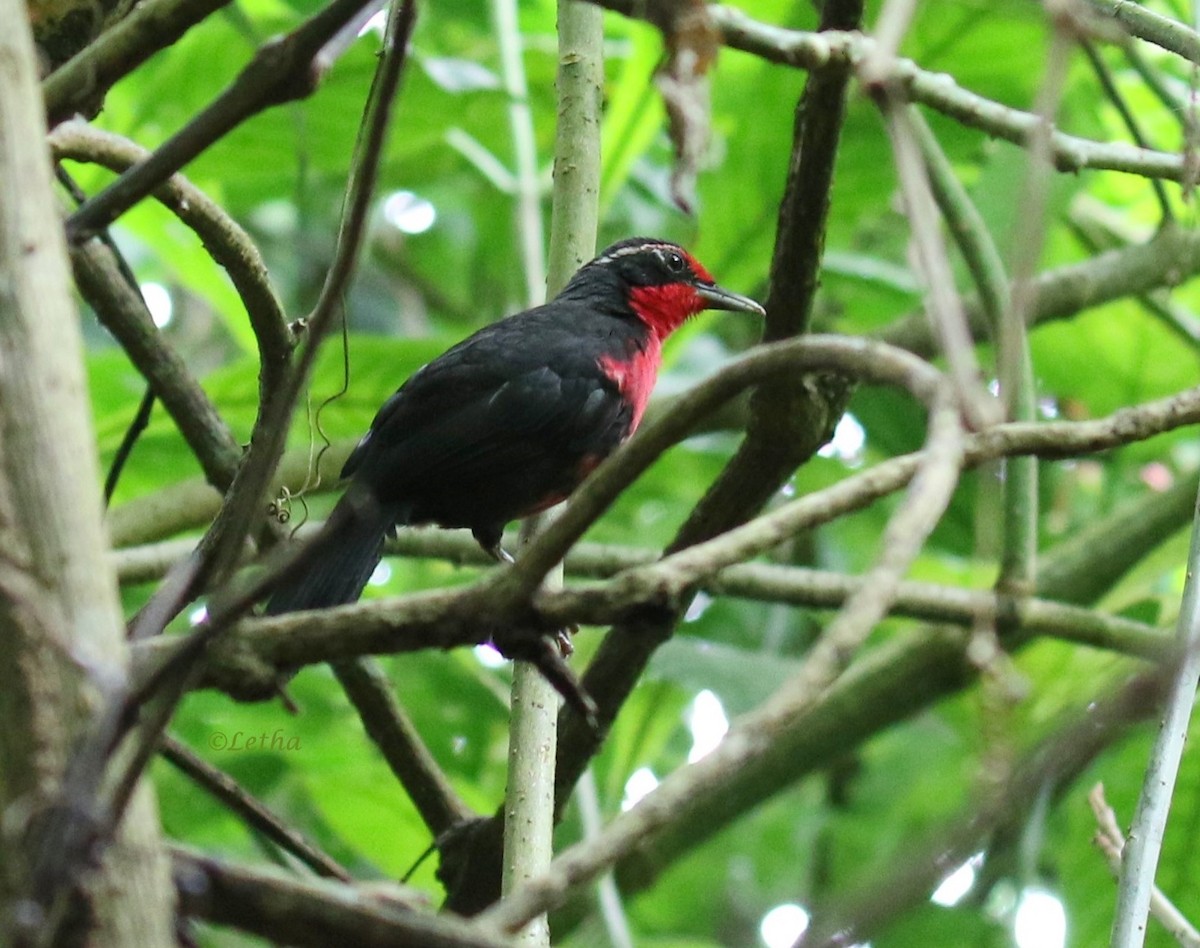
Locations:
493 427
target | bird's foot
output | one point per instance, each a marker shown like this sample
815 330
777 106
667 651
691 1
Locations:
546 653
562 640
489 538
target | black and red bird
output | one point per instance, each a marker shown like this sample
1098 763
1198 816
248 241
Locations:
509 421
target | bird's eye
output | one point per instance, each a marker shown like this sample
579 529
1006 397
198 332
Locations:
674 261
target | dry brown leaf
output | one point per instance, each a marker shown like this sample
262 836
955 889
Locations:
691 41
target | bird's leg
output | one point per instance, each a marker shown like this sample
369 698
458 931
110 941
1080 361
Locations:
545 652
489 538
562 640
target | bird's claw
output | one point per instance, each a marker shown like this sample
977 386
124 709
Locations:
285 696
562 639
546 653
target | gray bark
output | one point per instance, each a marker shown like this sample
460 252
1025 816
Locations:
62 640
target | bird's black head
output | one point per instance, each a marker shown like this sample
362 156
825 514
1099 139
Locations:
660 282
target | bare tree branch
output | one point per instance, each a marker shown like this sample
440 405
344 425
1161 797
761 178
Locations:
603 603
79 85
1110 840
1153 27
123 312
1167 259
281 71
59 609
815 51
315 913
224 239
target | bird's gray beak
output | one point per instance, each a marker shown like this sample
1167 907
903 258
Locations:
720 298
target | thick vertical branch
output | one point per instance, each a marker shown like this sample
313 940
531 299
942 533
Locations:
528 794
60 617
529 798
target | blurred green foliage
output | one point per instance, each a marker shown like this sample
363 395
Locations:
283 176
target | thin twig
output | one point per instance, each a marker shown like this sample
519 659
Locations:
1094 234
608 896
235 798
970 234
123 312
1109 85
1174 103
1110 840
1150 818
965 224
528 187
1030 229
1167 259
865 908
942 304
141 420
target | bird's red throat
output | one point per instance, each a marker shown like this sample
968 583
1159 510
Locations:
662 309
665 308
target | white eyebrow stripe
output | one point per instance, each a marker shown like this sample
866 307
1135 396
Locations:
627 251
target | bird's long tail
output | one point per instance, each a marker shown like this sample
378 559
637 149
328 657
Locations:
342 556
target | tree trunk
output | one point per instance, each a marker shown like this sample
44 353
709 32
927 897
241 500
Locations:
61 633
